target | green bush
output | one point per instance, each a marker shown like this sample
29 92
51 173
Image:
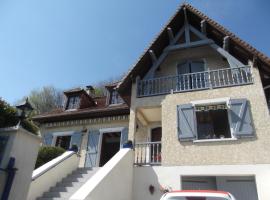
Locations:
9 118
46 154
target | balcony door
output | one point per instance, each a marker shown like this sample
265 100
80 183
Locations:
191 75
156 134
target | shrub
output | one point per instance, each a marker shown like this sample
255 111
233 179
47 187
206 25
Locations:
46 154
9 118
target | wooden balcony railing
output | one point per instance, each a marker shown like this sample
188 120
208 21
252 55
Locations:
226 77
148 153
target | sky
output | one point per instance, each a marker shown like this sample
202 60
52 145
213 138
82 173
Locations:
70 43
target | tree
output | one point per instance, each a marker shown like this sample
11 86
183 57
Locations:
46 99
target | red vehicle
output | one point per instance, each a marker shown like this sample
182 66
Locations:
197 195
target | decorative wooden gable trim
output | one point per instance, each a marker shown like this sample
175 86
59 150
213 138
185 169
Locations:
203 40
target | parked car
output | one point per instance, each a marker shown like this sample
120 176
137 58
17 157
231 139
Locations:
197 195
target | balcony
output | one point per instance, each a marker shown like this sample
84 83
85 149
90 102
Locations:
226 77
147 153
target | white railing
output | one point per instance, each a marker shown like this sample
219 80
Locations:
226 77
148 153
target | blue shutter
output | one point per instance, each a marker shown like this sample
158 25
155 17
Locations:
186 122
47 139
240 118
92 149
76 139
124 136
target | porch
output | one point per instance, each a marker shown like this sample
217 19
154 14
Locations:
210 79
147 139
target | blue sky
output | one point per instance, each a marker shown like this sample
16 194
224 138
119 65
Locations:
67 43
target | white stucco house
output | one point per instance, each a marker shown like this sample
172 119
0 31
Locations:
195 106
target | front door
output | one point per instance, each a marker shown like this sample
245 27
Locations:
101 150
109 147
156 135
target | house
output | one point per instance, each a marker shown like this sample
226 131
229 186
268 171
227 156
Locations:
196 108
88 119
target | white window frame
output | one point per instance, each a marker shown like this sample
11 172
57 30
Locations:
226 101
64 133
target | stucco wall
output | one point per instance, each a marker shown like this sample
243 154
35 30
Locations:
170 177
241 151
89 127
42 183
23 146
112 181
212 59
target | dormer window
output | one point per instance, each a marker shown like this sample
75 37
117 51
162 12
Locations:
115 98
73 102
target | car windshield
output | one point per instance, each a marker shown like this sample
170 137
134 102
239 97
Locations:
197 198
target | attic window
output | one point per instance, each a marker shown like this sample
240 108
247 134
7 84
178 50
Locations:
115 98
73 102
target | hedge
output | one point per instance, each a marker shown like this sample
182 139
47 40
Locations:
46 154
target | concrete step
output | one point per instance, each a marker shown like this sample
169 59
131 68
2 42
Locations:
69 185
45 198
57 194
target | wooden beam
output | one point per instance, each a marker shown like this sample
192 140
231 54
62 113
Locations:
150 73
189 45
170 34
233 62
178 35
153 56
187 36
203 27
226 43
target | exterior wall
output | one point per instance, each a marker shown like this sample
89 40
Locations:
170 177
118 172
212 59
50 174
241 151
23 146
79 127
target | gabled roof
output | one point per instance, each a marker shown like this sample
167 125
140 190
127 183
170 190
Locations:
238 48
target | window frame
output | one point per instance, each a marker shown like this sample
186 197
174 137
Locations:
74 98
225 101
117 96
203 60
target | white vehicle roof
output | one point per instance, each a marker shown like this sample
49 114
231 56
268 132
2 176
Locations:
198 193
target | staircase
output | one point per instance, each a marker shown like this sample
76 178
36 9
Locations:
69 185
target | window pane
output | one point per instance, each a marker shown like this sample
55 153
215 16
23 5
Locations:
212 122
73 102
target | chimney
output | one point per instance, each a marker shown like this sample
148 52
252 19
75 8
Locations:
90 90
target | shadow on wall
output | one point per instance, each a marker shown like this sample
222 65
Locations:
146 184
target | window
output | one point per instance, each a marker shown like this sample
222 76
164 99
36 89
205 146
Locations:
63 142
73 102
115 98
191 75
215 120
212 122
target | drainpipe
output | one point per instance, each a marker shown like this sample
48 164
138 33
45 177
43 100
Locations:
10 170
